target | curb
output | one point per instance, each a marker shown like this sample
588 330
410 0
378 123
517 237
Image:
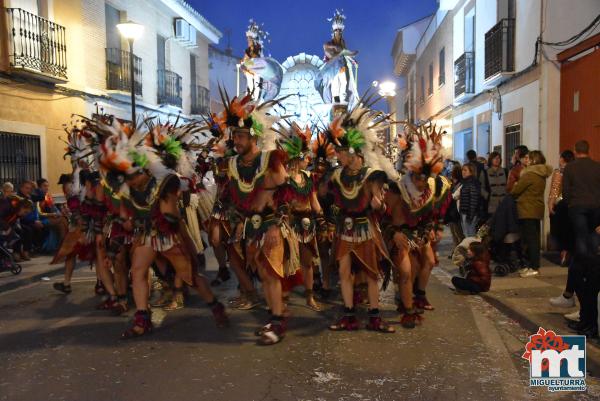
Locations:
35 278
592 363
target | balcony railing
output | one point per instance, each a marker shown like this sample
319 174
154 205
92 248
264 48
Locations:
118 73
169 88
200 100
36 45
464 74
500 48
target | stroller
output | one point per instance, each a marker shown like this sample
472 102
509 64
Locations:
504 238
7 262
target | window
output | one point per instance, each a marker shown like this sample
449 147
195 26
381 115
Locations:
19 157
422 90
442 67
113 17
512 139
430 89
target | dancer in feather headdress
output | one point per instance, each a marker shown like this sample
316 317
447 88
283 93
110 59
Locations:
323 153
148 167
299 194
416 202
357 186
253 176
72 245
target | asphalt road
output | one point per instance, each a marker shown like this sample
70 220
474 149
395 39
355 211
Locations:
57 347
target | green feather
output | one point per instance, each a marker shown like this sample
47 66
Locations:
257 127
173 147
355 138
293 147
140 159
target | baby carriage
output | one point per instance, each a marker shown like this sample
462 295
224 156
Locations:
504 238
7 262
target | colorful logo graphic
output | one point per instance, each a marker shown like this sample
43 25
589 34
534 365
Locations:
556 362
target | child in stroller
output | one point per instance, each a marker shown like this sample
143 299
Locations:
11 209
505 244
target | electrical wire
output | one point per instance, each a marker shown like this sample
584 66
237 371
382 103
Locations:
590 28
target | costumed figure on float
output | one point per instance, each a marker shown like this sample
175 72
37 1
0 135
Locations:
263 74
337 80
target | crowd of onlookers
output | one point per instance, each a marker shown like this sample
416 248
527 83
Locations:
495 206
30 222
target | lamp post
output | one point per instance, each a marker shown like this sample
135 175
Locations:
131 31
387 89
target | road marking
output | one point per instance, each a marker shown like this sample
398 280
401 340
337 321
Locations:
3 293
64 322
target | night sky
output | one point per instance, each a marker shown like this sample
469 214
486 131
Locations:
297 26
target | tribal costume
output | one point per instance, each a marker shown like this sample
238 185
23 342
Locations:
305 214
253 176
74 244
148 164
357 187
419 200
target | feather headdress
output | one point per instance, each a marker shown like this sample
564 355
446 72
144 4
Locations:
424 156
246 114
338 21
295 140
360 131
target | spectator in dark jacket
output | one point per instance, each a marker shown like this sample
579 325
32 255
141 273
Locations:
470 197
581 193
479 276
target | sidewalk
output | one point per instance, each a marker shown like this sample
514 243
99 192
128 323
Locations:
526 300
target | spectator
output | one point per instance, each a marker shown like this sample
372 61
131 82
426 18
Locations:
11 210
479 166
470 196
50 216
479 276
493 187
581 192
520 160
31 226
557 208
529 193
452 217
8 190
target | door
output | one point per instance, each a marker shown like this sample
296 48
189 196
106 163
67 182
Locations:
579 111
483 139
463 141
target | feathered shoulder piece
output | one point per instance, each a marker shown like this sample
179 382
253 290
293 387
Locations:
295 140
425 154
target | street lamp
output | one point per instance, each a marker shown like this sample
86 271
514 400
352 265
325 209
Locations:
131 31
387 90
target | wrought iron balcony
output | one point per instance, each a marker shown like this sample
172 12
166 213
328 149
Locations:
118 73
500 48
169 88
36 46
200 100
464 74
